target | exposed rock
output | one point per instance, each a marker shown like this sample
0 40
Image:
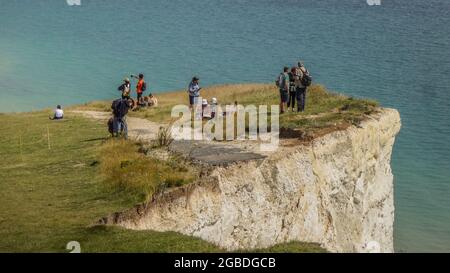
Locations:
336 191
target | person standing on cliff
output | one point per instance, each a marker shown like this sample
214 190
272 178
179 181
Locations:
292 89
141 86
194 92
283 84
125 88
303 80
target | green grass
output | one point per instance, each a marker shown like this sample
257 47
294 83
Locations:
52 188
325 110
126 168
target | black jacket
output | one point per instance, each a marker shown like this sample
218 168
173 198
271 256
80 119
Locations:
120 108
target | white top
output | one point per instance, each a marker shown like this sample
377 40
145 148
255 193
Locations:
59 113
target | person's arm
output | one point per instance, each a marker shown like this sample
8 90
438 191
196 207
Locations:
286 82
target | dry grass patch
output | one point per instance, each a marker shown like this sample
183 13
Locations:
126 167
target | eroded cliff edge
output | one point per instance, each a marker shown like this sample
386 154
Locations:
336 190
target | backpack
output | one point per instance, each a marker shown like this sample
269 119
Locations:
281 81
111 126
144 86
306 79
120 108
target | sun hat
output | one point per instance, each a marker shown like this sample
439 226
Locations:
126 80
214 100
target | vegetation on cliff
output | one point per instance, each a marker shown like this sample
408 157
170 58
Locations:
52 187
325 110
57 177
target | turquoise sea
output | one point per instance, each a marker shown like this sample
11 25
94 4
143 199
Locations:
397 52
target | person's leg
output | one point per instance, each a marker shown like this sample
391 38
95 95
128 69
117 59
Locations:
298 95
124 128
191 102
119 127
198 110
285 98
304 99
281 101
292 97
115 127
289 101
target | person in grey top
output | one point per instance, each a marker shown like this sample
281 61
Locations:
300 88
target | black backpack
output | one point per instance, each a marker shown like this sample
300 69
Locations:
120 108
144 86
306 79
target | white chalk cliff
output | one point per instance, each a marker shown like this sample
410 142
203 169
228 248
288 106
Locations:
336 191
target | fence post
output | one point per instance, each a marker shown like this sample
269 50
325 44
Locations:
48 137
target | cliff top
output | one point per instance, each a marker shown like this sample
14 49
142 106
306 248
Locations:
325 111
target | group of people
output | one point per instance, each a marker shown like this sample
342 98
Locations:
208 109
141 86
292 84
117 125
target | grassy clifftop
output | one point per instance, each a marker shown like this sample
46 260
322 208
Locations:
52 189
325 111
56 176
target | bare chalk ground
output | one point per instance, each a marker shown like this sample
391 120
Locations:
138 128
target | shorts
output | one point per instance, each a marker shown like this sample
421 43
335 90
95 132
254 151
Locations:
284 96
193 100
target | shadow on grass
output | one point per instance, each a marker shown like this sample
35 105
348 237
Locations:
95 139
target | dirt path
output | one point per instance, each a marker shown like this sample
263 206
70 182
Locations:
138 128
213 153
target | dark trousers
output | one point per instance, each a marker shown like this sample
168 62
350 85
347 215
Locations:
301 99
291 100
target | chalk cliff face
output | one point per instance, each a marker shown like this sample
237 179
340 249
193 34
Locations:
336 191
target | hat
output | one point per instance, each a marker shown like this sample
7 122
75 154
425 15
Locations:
126 80
204 102
214 100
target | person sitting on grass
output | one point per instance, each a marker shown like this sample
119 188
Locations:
152 100
213 107
59 113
